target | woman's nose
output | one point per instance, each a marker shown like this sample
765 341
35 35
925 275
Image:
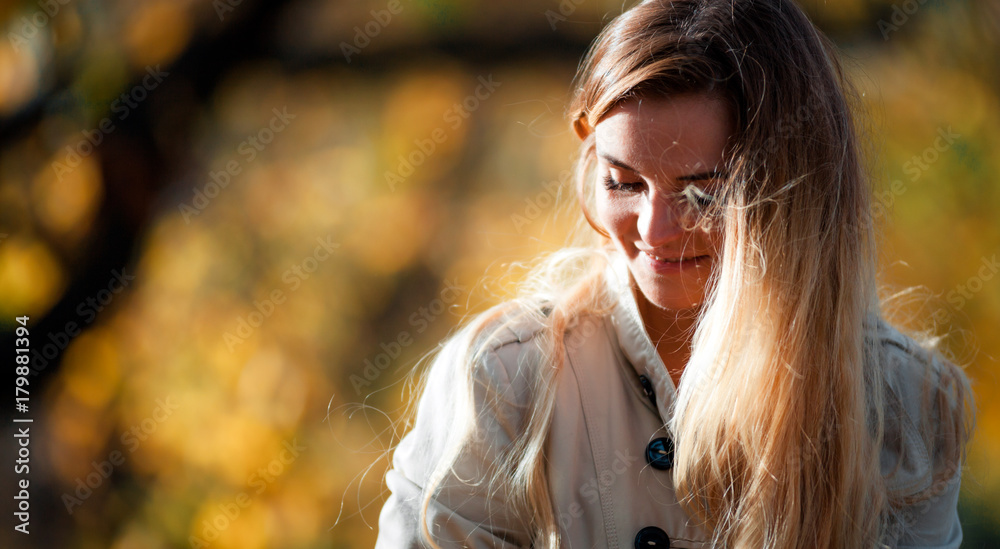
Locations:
659 221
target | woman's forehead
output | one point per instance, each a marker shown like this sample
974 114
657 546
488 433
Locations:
664 135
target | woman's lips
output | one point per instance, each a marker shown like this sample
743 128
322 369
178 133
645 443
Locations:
675 264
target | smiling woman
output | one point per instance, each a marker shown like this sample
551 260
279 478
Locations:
655 220
724 324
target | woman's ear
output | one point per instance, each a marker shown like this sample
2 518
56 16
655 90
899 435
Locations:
582 128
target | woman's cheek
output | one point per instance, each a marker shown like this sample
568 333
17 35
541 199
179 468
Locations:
614 215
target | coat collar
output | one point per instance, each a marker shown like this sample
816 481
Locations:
633 340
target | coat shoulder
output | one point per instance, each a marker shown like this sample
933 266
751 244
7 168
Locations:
925 405
512 323
507 346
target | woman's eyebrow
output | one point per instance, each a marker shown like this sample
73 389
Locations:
700 176
615 162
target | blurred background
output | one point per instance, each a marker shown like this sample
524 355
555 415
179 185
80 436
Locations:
236 226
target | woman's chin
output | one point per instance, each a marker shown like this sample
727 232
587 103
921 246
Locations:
677 301
678 305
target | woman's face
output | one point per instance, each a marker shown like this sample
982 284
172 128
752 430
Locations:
648 150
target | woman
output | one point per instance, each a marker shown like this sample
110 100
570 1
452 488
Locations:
714 370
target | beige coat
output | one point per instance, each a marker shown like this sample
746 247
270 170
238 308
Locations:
606 492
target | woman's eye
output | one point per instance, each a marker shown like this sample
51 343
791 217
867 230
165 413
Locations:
612 185
698 197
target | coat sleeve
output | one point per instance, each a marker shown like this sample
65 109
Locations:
466 511
925 440
934 522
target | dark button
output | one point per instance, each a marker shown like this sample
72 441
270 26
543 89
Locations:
660 453
651 536
647 388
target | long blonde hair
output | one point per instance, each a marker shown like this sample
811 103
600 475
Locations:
792 315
